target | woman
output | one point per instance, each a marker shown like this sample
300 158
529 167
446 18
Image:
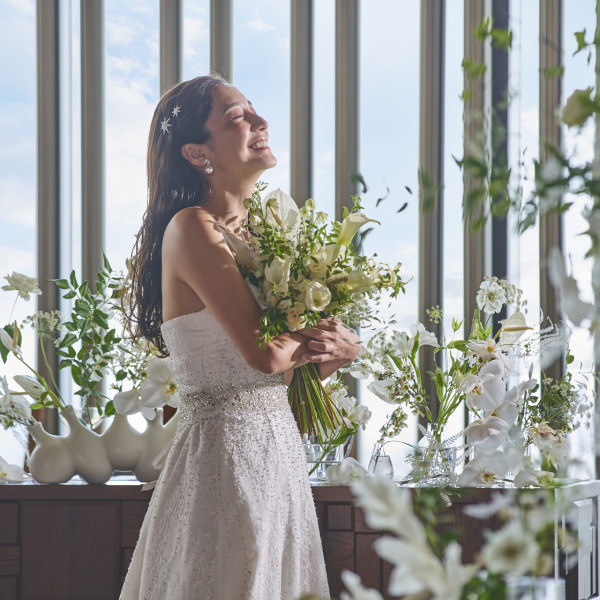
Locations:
232 514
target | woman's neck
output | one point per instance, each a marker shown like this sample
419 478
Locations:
228 208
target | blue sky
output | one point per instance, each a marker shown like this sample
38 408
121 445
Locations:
389 104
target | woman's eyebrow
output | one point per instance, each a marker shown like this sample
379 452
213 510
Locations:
235 104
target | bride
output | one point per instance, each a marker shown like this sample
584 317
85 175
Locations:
232 515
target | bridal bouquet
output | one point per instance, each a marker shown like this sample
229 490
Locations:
306 269
508 414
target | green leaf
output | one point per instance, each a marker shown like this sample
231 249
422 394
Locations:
61 284
580 39
73 279
69 295
37 405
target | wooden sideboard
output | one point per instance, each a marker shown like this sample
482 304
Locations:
74 542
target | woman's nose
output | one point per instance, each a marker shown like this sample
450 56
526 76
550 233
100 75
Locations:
258 122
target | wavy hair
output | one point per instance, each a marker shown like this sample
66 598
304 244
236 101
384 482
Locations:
173 184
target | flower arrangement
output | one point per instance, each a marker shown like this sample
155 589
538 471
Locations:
87 343
429 564
304 270
507 417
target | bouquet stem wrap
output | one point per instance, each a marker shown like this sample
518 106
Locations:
313 409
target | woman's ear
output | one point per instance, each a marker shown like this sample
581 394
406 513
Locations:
193 154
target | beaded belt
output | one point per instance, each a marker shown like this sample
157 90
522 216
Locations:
232 399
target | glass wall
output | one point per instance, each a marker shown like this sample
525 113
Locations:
18 160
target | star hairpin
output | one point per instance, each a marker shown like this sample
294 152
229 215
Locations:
176 111
164 125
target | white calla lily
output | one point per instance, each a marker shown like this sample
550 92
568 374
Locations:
278 272
9 342
281 210
350 225
512 329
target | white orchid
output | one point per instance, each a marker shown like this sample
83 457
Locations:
355 589
384 389
12 473
388 508
488 433
130 403
345 472
485 469
485 391
31 386
426 338
159 388
23 284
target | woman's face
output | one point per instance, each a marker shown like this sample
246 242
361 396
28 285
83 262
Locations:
238 136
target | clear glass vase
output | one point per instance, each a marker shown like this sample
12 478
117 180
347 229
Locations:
535 588
380 463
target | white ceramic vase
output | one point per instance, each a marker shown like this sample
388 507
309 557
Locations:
55 459
88 451
157 438
124 444
51 460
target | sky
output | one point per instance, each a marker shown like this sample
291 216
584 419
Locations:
388 147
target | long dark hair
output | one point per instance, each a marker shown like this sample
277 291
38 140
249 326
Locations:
173 184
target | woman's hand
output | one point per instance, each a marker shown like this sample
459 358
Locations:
331 345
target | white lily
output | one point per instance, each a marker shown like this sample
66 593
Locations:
23 284
350 225
12 403
159 388
10 472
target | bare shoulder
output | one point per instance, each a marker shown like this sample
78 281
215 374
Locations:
192 224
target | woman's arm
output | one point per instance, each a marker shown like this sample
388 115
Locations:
195 255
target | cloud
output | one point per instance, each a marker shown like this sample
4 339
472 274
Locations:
122 31
257 24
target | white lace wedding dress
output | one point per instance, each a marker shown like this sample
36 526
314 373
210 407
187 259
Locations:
232 515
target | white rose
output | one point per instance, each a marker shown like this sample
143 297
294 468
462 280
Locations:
22 284
578 108
295 318
278 272
315 294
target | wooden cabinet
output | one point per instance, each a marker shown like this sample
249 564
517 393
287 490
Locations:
74 542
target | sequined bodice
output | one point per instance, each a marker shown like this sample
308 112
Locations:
205 360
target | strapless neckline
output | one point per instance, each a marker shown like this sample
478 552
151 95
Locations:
179 318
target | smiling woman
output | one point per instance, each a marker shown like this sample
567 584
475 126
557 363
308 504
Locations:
232 515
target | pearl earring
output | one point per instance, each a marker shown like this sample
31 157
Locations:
207 168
